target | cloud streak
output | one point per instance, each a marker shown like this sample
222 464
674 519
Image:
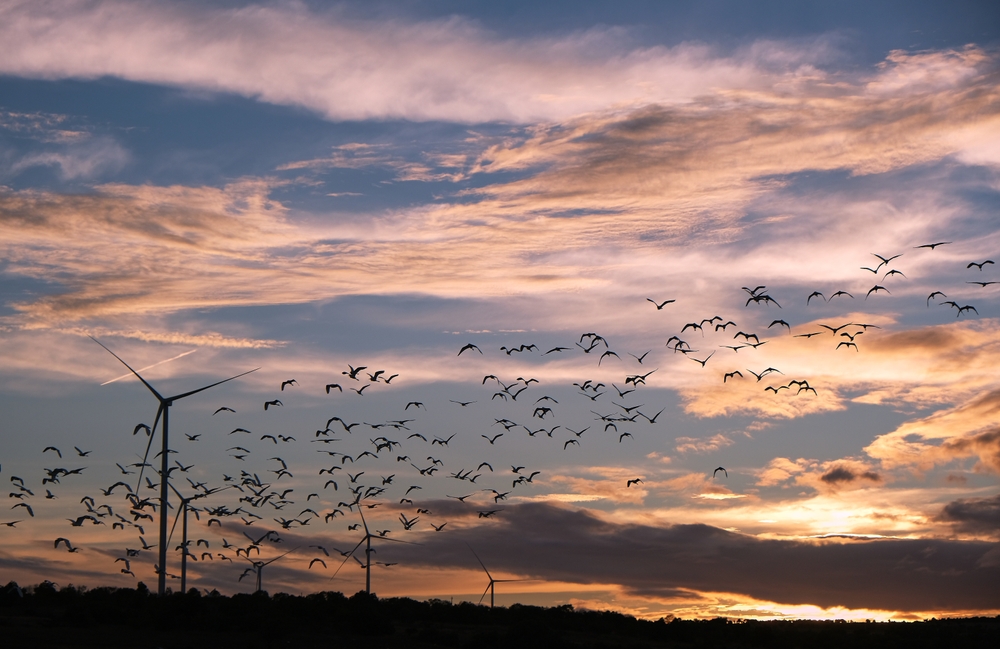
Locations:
347 68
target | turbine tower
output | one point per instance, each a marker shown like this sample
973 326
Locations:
164 409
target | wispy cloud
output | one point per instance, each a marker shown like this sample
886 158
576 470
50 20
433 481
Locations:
348 68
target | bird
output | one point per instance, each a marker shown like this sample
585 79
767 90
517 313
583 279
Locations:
659 306
932 246
885 260
814 294
980 265
353 371
608 353
288 382
570 441
703 361
838 294
275 402
729 375
493 439
65 541
467 347
464 404
720 469
876 289
330 386
629 483
223 409
932 295
53 448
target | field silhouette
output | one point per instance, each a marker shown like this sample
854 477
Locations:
47 616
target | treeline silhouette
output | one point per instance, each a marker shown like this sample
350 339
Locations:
47 616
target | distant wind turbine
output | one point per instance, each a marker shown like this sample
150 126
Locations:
258 567
367 540
490 587
164 409
183 513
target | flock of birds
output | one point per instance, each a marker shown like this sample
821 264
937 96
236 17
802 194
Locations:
399 461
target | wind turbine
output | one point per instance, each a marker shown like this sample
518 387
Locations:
164 409
258 567
185 507
490 587
367 540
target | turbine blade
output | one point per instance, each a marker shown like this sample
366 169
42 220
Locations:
188 394
149 445
363 522
180 512
144 382
485 591
347 558
279 556
480 563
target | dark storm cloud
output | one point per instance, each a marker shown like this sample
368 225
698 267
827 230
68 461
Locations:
842 474
548 542
973 515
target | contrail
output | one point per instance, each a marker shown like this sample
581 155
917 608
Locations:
125 376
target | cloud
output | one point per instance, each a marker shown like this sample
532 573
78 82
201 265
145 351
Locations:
654 191
702 445
347 68
825 476
840 474
42 126
552 543
967 430
86 160
978 516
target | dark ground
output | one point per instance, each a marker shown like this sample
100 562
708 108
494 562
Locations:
42 616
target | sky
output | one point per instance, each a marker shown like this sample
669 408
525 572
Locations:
717 276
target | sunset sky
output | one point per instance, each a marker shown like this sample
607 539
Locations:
305 187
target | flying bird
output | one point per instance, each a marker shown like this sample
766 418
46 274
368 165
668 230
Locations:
468 347
659 307
720 469
876 289
288 382
69 546
275 402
